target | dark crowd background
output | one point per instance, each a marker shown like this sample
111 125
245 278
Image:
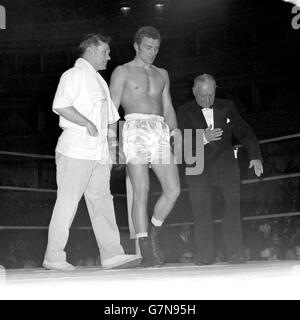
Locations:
251 48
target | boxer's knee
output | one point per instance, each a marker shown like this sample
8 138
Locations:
172 193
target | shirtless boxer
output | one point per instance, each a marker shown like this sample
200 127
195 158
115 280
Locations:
143 90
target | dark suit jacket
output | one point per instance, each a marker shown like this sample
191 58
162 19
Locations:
219 155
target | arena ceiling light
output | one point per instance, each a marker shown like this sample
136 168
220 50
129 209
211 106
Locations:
125 7
159 4
159 8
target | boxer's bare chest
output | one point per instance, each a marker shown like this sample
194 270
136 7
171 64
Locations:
145 81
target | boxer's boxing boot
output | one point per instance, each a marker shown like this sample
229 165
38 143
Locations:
148 260
154 234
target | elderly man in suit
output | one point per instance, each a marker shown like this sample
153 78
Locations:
221 123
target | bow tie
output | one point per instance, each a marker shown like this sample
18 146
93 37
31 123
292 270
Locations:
207 109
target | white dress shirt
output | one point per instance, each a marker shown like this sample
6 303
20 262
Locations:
84 89
209 117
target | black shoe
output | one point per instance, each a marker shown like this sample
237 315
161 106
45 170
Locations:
204 262
154 233
237 259
148 260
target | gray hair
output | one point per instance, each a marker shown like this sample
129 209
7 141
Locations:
205 77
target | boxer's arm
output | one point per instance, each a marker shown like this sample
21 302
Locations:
171 120
116 87
169 112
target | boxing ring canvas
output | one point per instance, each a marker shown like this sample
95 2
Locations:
255 280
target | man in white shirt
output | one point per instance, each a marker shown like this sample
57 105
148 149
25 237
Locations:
84 156
222 124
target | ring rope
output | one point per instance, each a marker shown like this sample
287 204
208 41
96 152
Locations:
249 181
172 225
119 195
26 155
43 156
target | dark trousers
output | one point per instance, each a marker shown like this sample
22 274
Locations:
228 183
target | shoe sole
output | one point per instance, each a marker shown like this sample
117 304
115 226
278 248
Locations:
47 267
126 265
152 266
237 262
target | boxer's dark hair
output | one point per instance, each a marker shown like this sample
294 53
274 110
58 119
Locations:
148 32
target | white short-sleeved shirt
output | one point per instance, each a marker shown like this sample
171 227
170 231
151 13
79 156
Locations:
84 89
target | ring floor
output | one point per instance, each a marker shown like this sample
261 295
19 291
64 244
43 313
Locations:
255 280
